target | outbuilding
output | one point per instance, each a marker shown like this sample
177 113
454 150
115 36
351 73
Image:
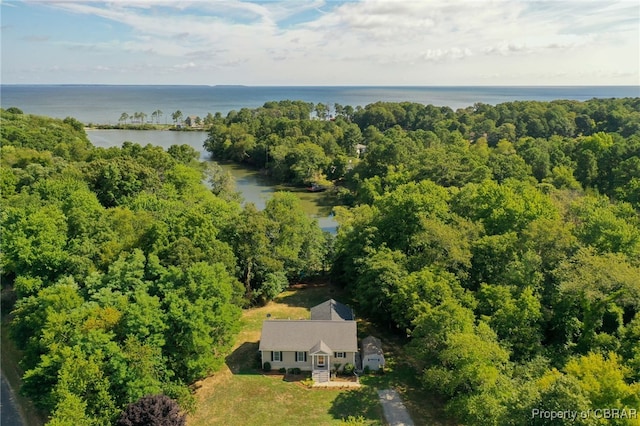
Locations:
372 355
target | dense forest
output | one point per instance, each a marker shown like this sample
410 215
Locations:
128 273
503 242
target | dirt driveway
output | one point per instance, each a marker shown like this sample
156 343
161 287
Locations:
395 412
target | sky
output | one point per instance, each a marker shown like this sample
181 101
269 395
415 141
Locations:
321 42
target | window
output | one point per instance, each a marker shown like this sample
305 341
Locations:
276 356
321 360
340 354
301 357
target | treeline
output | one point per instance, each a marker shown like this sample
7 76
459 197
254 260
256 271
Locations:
590 144
506 246
123 273
504 241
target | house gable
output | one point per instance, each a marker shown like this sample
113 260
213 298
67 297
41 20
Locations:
320 348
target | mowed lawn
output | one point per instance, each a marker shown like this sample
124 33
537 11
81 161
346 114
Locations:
239 394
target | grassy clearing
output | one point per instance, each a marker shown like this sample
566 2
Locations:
240 395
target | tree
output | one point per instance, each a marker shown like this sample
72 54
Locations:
124 117
295 239
253 249
184 154
157 410
33 241
599 287
516 320
201 318
559 392
472 371
155 115
116 180
603 380
177 116
322 111
14 110
380 273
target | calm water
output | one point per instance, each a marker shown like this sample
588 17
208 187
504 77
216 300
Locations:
253 186
105 104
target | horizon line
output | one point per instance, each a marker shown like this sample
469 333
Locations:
317 85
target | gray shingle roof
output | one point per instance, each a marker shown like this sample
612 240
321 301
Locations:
332 310
371 346
303 335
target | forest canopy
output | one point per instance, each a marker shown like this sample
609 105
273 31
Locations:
501 242
128 274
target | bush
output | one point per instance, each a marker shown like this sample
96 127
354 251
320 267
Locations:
282 370
14 110
152 410
366 369
348 369
296 371
352 420
266 366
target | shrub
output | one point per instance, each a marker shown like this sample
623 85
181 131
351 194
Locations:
348 369
308 382
152 410
296 370
352 420
282 370
366 369
266 366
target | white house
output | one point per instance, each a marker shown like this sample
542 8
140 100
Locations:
316 345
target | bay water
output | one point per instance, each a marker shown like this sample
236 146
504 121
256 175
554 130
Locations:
104 104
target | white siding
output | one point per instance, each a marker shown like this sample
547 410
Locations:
373 362
288 361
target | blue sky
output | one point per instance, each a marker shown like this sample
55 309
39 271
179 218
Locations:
316 42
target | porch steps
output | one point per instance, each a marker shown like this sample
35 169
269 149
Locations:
320 376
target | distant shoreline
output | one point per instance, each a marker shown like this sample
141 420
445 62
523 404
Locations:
142 127
106 104
339 86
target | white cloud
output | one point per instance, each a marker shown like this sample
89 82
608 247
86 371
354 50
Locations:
374 41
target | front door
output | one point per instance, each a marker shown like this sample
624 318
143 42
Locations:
322 360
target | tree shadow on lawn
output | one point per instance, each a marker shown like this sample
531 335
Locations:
309 293
245 359
361 402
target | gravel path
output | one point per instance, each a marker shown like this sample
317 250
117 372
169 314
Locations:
9 414
394 410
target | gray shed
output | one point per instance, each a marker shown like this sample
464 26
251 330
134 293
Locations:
372 355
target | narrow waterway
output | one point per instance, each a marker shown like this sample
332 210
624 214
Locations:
254 187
